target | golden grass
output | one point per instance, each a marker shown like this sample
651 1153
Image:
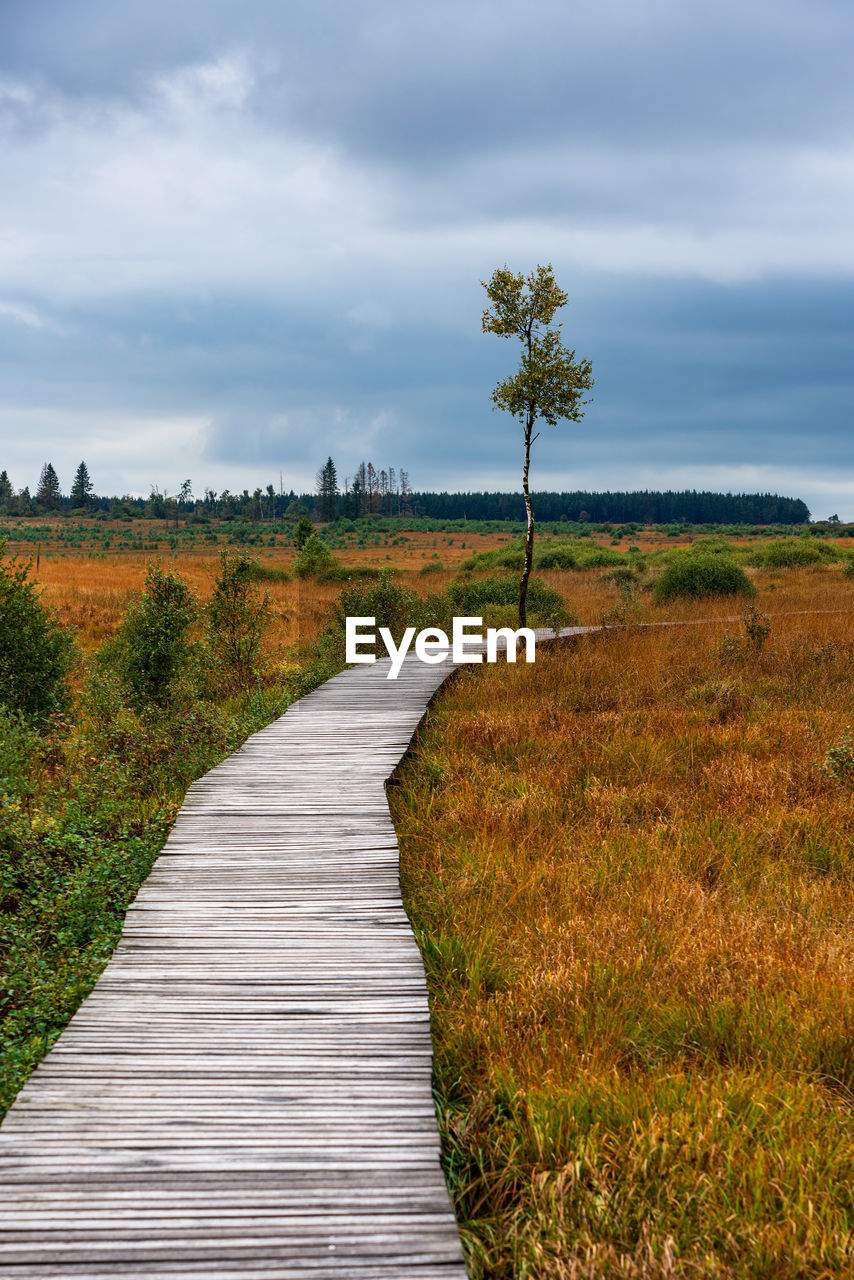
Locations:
634 891
92 594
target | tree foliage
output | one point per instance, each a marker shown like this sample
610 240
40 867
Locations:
303 530
315 560
549 384
81 489
49 493
36 652
236 616
152 649
327 491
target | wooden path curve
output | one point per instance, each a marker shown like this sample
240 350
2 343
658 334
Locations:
247 1091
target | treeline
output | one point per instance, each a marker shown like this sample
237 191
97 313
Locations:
386 491
640 507
372 491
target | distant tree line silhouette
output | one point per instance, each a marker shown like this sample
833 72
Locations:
386 491
646 506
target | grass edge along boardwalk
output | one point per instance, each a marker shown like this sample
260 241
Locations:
247 1090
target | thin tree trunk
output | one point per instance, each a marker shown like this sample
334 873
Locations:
529 535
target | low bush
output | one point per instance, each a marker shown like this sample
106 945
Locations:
315 560
625 575
151 652
550 555
691 574
600 558
511 557
36 652
472 596
556 557
261 572
393 605
792 553
235 618
19 764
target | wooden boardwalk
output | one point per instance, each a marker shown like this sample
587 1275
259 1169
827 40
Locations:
247 1090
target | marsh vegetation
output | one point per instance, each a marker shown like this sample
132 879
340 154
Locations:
631 872
629 865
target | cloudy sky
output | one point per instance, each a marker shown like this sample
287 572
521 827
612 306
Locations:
238 237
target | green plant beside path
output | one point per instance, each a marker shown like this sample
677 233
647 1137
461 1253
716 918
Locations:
36 653
151 652
235 618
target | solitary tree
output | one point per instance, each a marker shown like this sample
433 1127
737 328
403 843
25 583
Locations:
550 382
81 490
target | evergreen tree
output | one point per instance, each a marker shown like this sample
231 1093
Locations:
327 491
6 492
405 499
49 494
81 490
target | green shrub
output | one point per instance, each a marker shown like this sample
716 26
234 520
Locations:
470 596
624 575
303 530
36 652
791 553
393 605
710 547
839 761
691 574
151 651
556 557
315 560
600 558
235 618
261 572
19 746
511 557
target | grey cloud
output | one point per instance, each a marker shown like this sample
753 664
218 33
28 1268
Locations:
419 83
269 221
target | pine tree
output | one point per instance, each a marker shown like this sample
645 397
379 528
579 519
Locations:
81 490
327 491
49 494
6 491
373 489
405 493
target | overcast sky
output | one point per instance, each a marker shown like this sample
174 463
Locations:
238 237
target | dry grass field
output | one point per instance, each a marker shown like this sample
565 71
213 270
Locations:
91 591
631 870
